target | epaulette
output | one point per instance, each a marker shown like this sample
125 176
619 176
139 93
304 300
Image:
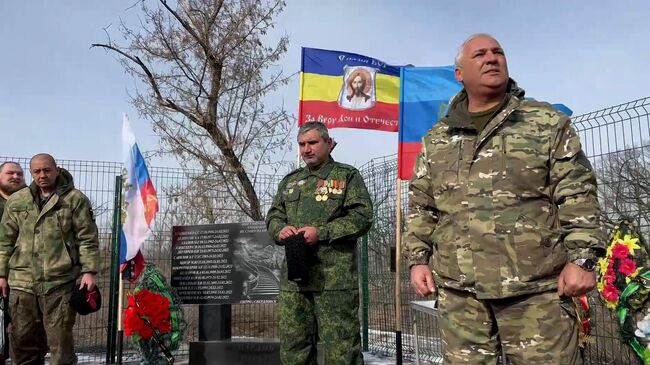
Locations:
295 171
344 166
542 105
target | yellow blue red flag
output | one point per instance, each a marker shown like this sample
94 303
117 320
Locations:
348 90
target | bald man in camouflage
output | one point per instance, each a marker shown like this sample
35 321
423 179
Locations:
48 239
503 203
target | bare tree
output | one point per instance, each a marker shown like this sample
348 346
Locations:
207 74
624 184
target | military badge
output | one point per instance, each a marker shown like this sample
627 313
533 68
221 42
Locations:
321 191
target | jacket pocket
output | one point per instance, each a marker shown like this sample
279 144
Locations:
291 203
445 240
538 250
17 262
64 220
525 161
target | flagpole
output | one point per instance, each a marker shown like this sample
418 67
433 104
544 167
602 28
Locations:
398 292
120 332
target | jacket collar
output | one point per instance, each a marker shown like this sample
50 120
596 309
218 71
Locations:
324 171
458 116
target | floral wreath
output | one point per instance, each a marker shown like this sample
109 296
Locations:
153 318
624 285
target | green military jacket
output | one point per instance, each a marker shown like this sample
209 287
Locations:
3 201
502 211
41 249
335 200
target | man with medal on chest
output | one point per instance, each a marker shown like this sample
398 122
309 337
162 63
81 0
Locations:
324 206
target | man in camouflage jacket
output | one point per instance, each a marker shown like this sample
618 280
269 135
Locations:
12 179
503 201
48 238
328 202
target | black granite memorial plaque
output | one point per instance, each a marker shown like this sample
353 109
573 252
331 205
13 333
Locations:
225 264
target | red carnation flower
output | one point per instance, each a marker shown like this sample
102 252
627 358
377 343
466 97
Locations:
627 267
610 276
610 293
149 306
620 251
132 322
146 332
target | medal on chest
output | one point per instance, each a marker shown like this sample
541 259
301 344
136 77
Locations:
326 187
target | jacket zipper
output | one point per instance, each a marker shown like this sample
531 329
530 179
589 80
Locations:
460 158
503 156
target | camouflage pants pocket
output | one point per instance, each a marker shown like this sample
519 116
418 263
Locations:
337 313
27 339
59 319
538 329
467 328
298 331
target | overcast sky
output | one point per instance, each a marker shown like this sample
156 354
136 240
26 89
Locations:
59 96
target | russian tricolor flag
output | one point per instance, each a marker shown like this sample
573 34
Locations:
140 203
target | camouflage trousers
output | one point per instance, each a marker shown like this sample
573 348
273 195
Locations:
39 321
533 329
331 317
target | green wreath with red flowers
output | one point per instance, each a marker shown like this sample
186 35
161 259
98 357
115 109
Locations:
624 286
153 318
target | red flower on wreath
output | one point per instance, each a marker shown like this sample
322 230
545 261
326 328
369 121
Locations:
146 312
620 251
610 276
627 267
610 293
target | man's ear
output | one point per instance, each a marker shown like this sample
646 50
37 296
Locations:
332 143
459 74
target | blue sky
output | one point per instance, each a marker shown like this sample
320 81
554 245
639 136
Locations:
59 96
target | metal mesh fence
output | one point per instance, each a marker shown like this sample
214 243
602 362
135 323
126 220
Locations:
96 180
185 197
616 140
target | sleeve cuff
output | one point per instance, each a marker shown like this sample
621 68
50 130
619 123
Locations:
89 267
582 253
323 233
419 258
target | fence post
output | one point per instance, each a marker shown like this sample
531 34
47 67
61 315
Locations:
364 291
114 273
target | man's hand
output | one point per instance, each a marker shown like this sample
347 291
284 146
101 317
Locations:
422 280
87 279
4 286
287 232
574 281
311 237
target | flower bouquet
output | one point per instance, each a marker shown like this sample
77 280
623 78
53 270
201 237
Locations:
624 285
153 318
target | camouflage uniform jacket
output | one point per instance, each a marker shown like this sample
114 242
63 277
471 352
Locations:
41 249
343 217
502 211
3 201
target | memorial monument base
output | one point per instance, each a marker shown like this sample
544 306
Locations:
245 351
